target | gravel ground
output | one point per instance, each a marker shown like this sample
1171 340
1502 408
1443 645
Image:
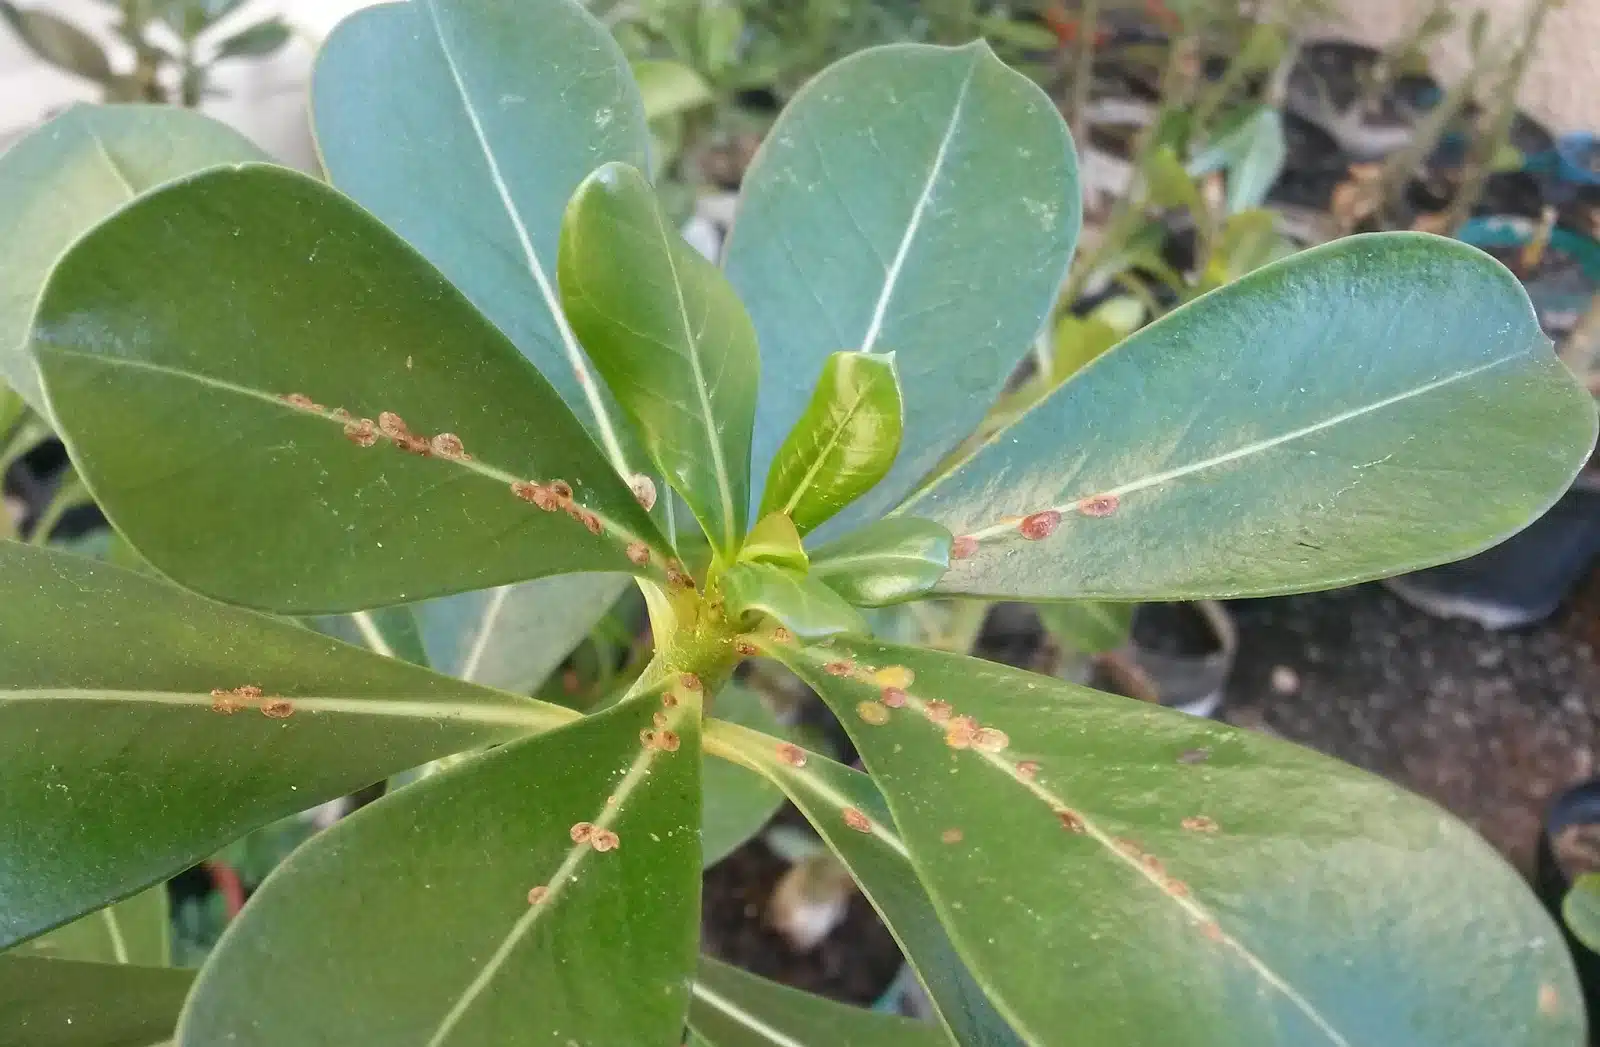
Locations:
1489 725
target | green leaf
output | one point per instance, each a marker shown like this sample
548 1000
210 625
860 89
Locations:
803 605
1088 626
390 631
911 198
844 443
1078 340
1206 867
823 790
441 874
775 540
1375 405
118 770
514 637
62 1003
1252 153
58 42
1581 910
671 339
69 174
884 562
738 802
465 126
734 1009
135 931
174 386
258 41
669 88
1170 185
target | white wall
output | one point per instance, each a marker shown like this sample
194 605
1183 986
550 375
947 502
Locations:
266 99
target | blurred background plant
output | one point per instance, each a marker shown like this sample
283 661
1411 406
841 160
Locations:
164 50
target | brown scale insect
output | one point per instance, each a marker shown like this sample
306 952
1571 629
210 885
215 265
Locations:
537 894
249 690
644 491
1200 823
1039 525
449 445
1549 1000
300 400
667 741
392 425
528 492
961 733
605 840
938 710
659 719
638 553
893 697
561 489
676 575
340 414
669 700
581 832
951 836
225 702
1177 888
746 648
840 668
856 820
873 713
792 754
362 433
1099 505
1071 821
1128 847
1155 865
1212 930
964 548
689 681
894 676
278 708
782 635
990 740
412 444
1027 770
590 521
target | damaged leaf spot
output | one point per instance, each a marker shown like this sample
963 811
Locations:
745 648
581 831
963 548
1192 756
857 821
1099 505
1027 770
659 719
893 697
792 754
1212 930
951 836
873 713
638 554
938 710
1039 525
839 668
961 732
1070 820
229 702
300 400
1200 823
1549 1000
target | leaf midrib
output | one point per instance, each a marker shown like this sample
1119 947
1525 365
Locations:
1007 527
475 464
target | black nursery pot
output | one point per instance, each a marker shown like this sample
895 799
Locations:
1578 806
1184 653
1522 580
